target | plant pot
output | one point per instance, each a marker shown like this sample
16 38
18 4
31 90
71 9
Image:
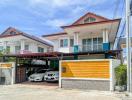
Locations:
120 88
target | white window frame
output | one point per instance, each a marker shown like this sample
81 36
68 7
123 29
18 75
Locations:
68 43
92 44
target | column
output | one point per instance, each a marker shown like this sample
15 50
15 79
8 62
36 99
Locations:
5 45
106 44
22 46
12 48
76 42
76 37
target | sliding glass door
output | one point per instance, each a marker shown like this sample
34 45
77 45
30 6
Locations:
92 44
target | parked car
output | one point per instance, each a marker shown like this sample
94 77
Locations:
38 76
51 76
38 62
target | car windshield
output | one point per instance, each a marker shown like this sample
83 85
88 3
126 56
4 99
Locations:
41 71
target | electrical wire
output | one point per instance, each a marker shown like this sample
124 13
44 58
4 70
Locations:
122 31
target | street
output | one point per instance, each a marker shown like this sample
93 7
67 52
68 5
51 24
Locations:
41 92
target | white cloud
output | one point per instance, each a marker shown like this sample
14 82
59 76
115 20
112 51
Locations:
64 3
56 22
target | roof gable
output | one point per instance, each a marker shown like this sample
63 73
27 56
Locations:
11 31
86 17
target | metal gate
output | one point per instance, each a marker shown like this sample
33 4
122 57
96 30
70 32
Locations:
20 74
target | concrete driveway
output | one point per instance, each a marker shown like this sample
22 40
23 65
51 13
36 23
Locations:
42 92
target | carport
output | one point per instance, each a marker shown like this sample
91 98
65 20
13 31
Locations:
24 66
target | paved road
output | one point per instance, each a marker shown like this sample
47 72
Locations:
34 92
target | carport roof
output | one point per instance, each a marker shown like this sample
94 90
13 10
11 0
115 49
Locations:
60 54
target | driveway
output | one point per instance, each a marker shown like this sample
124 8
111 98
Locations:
51 92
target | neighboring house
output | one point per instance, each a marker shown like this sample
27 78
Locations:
13 41
90 33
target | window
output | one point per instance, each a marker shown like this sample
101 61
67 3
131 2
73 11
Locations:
94 44
8 49
1 48
63 42
40 49
100 43
26 47
17 49
89 20
71 42
12 32
87 45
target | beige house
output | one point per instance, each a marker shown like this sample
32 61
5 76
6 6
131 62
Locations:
90 33
17 42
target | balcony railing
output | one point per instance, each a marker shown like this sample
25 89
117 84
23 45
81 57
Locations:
86 48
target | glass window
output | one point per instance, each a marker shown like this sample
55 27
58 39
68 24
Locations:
8 49
12 33
100 40
63 42
40 50
89 19
94 44
71 42
100 44
17 49
87 43
1 48
26 47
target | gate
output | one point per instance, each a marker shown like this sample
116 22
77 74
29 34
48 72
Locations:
20 74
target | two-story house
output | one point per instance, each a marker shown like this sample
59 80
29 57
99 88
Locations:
90 33
13 41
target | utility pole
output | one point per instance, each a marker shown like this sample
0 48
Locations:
128 44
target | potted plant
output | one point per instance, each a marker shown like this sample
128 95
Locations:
121 78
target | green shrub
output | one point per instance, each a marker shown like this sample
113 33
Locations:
121 75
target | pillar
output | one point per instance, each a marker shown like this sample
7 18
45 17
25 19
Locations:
106 44
22 46
76 42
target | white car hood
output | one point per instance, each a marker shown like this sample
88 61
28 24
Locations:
37 75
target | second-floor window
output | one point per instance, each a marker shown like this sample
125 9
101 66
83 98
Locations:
17 49
1 48
94 44
64 43
40 50
26 47
71 42
8 49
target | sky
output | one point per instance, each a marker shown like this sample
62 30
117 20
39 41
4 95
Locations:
39 17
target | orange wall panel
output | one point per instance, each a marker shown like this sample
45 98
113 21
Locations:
86 69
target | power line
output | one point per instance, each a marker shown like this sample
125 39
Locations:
131 7
114 15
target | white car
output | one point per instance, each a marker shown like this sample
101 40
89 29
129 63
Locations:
38 76
52 76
